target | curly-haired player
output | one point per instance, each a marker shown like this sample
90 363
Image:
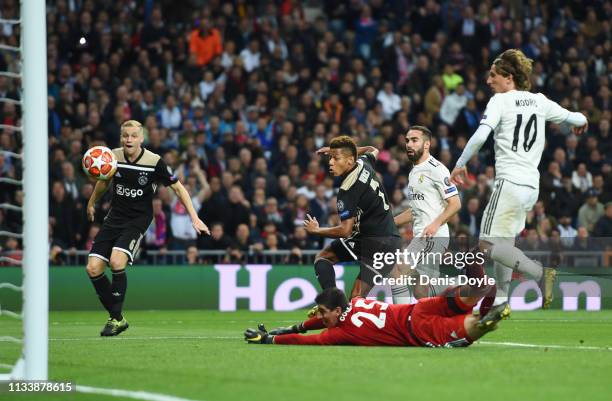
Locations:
517 119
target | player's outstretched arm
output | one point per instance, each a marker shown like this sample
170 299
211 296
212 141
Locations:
403 218
99 190
340 231
205 192
361 150
312 323
333 336
183 195
579 123
295 329
452 207
557 114
471 148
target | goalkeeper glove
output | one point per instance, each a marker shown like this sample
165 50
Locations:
313 311
295 329
259 336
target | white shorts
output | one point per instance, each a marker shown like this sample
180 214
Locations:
504 217
432 252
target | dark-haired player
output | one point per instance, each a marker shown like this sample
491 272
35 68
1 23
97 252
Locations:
517 119
444 321
366 223
139 172
432 200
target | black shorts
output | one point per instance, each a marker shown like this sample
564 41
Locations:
124 239
367 251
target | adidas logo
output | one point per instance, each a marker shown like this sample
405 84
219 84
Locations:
454 334
116 294
118 174
352 244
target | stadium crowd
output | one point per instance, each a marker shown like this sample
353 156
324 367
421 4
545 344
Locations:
238 95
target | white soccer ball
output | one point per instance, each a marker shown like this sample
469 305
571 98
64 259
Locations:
100 163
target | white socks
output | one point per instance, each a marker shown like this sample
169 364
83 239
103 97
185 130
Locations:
503 276
401 294
515 259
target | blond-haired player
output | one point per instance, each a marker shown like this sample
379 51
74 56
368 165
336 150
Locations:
139 172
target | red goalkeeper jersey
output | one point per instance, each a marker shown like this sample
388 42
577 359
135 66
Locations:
365 322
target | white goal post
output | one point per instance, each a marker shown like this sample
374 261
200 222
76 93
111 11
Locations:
33 364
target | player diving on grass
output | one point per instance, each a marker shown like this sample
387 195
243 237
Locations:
366 225
433 200
517 119
443 321
139 172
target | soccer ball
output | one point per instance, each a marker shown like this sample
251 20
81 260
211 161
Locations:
100 163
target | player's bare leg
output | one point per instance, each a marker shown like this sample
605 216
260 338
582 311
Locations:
357 290
465 298
512 257
476 328
95 266
117 323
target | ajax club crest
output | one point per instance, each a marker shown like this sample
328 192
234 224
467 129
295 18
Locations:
143 179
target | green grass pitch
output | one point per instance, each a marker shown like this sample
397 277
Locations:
200 355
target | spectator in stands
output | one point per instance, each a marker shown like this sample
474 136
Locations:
62 215
581 178
192 255
180 222
205 42
236 211
471 216
245 243
243 77
551 181
217 240
452 105
603 194
251 56
170 115
583 242
12 250
603 227
71 182
591 211
451 79
566 230
390 101
567 198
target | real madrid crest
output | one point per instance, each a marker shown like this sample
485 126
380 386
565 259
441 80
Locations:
421 178
143 179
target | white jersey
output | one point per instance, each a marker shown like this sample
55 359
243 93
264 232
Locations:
518 119
428 188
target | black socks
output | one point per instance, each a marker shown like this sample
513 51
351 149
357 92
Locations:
326 275
103 289
118 290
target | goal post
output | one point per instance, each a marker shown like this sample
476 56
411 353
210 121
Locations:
36 190
33 364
